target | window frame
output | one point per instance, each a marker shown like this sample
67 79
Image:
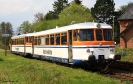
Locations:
64 38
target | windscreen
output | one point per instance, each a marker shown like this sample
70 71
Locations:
86 35
107 34
99 35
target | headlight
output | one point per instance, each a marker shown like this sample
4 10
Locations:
112 50
88 50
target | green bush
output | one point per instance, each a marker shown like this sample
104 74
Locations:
124 51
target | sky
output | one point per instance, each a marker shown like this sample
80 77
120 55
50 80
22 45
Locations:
18 11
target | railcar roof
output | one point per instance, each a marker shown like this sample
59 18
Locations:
23 35
86 25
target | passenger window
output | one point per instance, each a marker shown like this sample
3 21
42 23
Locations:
42 40
15 41
39 40
52 39
47 40
57 39
12 41
63 38
35 41
30 39
75 34
22 40
26 39
18 41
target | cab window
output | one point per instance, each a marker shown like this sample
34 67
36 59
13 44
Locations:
86 35
99 35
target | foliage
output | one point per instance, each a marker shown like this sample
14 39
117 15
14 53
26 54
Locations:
123 8
127 54
116 27
78 1
39 17
58 6
44 25
73 12
124 51
103 11
6 28
117 14
51 15
25 27
77 13
18 70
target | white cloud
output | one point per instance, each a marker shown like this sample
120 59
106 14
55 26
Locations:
117 6
12 6
89 3
43 6
17 11
24 9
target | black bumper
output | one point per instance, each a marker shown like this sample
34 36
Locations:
117 57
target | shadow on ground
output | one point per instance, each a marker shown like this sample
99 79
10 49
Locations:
1 59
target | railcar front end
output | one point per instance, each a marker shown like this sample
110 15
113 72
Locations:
100 54
94 46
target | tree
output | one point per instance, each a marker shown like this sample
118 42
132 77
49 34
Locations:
39 17
9 29
78 1
75 12
50 15
117 14
2 30
58 6
6 28
24 28
72 13
123 8
103 11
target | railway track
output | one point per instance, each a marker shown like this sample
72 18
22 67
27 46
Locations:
128 66
121 75
120 70
125 77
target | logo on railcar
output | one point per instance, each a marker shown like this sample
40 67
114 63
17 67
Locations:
49 52
17 49
101 49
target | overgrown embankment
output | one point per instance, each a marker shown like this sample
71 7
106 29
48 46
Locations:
127 54
19 70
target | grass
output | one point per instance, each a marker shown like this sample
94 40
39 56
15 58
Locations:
19 70
127 54
128 58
